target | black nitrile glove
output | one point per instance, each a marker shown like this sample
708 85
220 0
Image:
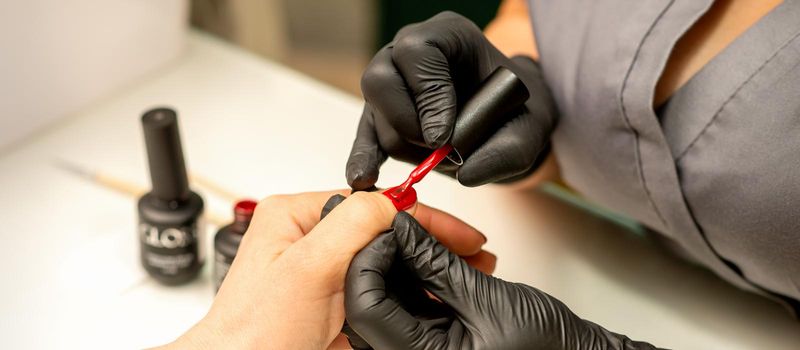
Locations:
479 311
404 287
413 89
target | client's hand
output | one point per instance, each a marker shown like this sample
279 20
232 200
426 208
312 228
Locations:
285 289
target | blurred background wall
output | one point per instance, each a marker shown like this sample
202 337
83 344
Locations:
58 57
331 40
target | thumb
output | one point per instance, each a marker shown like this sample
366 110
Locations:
350 225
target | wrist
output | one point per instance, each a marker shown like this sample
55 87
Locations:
201 336
210 334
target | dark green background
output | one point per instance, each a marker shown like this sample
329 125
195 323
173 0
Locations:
394 14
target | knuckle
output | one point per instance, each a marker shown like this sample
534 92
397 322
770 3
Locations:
377 77
367 202
271 202
363 200
276 203
411 42
447 15
453 18
406 29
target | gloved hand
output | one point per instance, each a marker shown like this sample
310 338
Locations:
457 236
389 310
413 88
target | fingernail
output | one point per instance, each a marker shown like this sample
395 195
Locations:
411 211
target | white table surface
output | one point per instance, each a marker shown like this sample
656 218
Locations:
69 254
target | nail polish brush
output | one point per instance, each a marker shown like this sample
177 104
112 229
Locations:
481 116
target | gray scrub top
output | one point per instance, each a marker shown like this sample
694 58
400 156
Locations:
718 171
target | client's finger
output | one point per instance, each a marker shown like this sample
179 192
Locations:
483 261
281 220
458 236
304 208
350 226
340 343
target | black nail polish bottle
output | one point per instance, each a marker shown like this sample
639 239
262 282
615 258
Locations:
227 240
170 225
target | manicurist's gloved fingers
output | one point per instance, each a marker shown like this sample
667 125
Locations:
379 319
375 140
330 204
516 149
441 272
396 146
385 90
509 153
366 156
422 54
414 87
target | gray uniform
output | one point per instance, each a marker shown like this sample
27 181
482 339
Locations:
718 169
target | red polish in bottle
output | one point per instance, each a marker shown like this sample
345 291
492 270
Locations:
229 237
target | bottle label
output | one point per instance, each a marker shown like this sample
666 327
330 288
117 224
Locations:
222 264
171 250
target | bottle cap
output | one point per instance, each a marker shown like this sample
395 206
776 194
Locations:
242 214
165 155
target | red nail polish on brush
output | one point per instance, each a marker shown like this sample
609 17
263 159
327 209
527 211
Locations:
404 196
484 113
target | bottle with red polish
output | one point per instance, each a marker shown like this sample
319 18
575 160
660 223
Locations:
228 239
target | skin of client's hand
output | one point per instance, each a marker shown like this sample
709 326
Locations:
285 289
